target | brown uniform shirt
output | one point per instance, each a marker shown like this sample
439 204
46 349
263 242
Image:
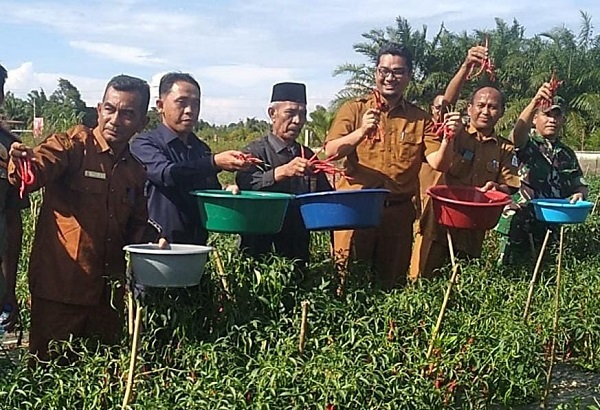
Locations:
394 163
93 204
477 160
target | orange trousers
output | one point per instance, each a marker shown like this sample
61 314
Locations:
387 248
58 321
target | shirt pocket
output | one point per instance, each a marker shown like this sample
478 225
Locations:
88 185
461 168
410 145
492 169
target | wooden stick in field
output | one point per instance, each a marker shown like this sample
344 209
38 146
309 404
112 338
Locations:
132 362
535 274
455 271
305 304
556 316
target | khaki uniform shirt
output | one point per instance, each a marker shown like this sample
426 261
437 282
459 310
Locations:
93 205
393 163
477 160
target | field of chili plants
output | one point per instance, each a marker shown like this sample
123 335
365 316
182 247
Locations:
208 348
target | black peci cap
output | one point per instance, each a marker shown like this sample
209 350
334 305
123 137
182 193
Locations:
295 92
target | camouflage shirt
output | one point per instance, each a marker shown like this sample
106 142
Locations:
548 169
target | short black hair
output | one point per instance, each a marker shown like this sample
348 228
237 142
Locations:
167 81
128 83
502 96
396 50
3 75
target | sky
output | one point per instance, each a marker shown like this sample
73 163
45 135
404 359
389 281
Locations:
236 49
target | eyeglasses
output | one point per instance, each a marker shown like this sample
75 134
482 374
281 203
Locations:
437 107
395 73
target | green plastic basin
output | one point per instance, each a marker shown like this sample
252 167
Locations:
253 212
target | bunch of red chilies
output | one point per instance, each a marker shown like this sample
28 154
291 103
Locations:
554 84
325 166
378 133
250 158
487 65
315 164
26 173
442 129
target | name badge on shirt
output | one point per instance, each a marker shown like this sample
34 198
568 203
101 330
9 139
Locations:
95 174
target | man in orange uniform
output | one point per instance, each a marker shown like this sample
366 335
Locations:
481 159
383 147
93 205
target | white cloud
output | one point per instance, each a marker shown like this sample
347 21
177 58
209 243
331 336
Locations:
238 49
244 75
122 53
23 79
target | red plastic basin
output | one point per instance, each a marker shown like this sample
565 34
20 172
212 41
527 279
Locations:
467 207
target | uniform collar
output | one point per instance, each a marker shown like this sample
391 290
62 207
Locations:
541 139
278 144
474 132
168 134
101 144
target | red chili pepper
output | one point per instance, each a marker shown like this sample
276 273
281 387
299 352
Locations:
441 129
554 84
253 160
27 175
487 65
326 166
378 133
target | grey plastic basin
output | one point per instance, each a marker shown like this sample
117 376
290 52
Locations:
179 266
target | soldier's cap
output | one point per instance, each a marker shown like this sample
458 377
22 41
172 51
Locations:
295 92
557 104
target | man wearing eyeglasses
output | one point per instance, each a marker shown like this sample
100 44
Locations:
383 144
427 176
436 107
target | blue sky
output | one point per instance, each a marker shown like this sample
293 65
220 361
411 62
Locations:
237 49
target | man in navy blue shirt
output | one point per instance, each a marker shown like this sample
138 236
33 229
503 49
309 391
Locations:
177 162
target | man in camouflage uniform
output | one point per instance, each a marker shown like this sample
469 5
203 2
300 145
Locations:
548 169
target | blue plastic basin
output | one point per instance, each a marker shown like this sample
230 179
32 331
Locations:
561 211
340 210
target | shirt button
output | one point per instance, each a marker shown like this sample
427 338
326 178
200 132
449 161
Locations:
112 190
106 264
110 216
109 239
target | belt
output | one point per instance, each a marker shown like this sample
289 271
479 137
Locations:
397 200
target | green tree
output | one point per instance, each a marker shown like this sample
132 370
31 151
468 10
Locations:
67 95
319 123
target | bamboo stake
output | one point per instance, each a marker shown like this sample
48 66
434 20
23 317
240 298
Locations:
305 305
455 271
595 205
132 362
221 271
535 274
556 316
130 307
